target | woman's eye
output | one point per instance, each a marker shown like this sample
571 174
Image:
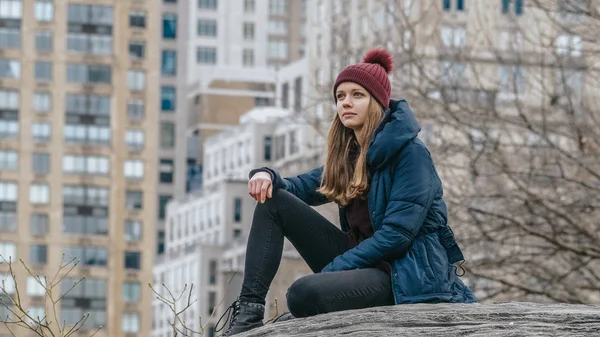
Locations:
340 96
358 94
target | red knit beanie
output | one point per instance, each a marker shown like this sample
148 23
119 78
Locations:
372 74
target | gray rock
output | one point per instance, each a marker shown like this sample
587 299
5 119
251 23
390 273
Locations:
490 319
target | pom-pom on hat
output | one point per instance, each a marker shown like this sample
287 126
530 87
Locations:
372 74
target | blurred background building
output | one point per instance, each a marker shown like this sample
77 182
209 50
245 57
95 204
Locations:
78 81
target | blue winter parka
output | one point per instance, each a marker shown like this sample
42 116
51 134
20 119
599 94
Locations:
408 214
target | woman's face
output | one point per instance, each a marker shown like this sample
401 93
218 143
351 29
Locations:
352 105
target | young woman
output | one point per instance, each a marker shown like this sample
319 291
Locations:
394 245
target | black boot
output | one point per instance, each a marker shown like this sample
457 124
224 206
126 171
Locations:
242 316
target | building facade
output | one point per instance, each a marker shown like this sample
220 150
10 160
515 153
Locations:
218 60
78 174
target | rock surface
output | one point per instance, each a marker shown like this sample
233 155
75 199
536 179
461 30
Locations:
491 319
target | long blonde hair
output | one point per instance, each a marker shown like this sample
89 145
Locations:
343 180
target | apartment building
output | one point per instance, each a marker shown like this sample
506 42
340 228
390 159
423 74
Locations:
218 60
76 176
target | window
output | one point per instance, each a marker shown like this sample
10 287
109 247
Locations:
212 272
8 192
262 101
169 26
248 31
452 72
10 68
453 36
38 224
40 163
167 135
133 260
165 170
9 113
167 98
511 40
162 205
207 4
206 55
294 148
11 9
85 210
38 254
131 322
134 139
285 94
568 83
87 256
87 73
460 4
237 209
87 119
573 10
267 146
136 79
43 71
86 164
513 5
278 50
237 233
10 37
278 7
212 302
44 10
279 147
133 230
90 29
298 94
8 207
41 132
511 79
42 101
39 194
134 199
248 57
569 45
9 160
137 19
8 218
207 27
8 251
249 6
137 50
36 286
88 297
135 110
278 27
131 292
134 169
9 283
169 62
37 314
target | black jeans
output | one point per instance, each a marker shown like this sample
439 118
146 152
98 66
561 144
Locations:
319 242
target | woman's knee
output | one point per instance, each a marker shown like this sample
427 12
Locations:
303 298
278 197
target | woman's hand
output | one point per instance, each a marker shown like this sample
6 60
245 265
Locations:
260 186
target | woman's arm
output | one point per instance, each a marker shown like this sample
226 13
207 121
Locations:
303 186
412 193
